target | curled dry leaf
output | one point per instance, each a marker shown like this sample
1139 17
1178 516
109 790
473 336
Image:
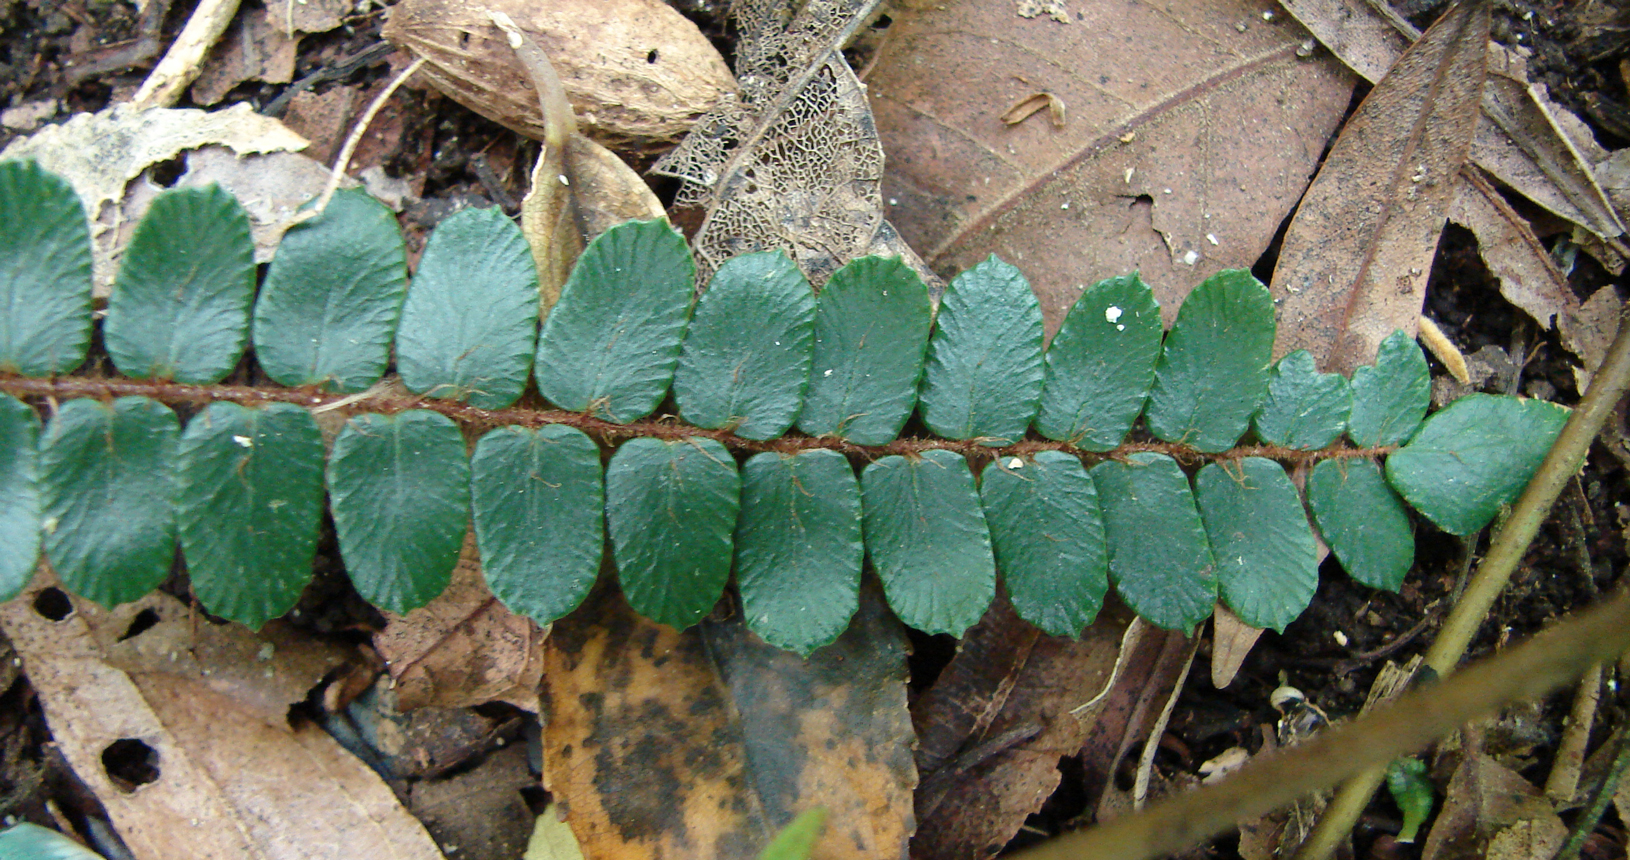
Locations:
638 72
226 768
1523 138
704 743
1528 277
1490 811
1355 259
463 648
1191 131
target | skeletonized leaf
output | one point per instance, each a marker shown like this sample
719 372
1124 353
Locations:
469 324
1100 365
927 539
1363 521
671 509
539 508
611 343
399 487
798 547
745 362
1213 370
19 495
1474 456
871 328
329 306
984 372
250 498
1267 563
107 475
1158 555
1356 257
1390 397
180 307
45 272
1305 409
1049 539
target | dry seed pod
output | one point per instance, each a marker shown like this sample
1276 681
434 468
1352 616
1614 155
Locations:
637 72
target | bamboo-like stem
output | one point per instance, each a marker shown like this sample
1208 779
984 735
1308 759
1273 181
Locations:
1548 661
1505 552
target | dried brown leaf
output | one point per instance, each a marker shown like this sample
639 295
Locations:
693 744
308 16
1491 812
463 648
236 780
1355 259
1231 642
996 722
637 72
1192 130
1520 138
253 50
1528 277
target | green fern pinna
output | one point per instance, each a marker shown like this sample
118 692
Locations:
1172 464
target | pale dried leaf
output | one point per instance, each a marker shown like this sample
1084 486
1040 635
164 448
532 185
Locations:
637 72
308 16
1231 642
464 648
1355 260
1192 130
1520 138
236 783
101 153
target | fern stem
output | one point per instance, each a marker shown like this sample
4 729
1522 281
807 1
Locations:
388 401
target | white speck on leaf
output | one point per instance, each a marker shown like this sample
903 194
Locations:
244 441
1015 463
828 373
1112 314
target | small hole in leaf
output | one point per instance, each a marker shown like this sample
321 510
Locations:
130 763
651 56
168 173
53 605
143 621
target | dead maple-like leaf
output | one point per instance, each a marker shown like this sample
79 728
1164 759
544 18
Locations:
464 647
1355 260
1191 131
703 743
636 71
195 741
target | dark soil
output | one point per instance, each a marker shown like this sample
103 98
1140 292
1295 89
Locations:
81 54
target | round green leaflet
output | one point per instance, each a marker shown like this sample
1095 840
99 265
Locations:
107 474
1390 398
1474 456
1362 521
1159 557
180 308
1100 365
927 539
745 362
329 306
19 495
1049 539
399 488
984 371
469 324
1267 562
611 343
1213 370
871 328
671 509
251 497
798 547
538 500
45 272
1305 409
